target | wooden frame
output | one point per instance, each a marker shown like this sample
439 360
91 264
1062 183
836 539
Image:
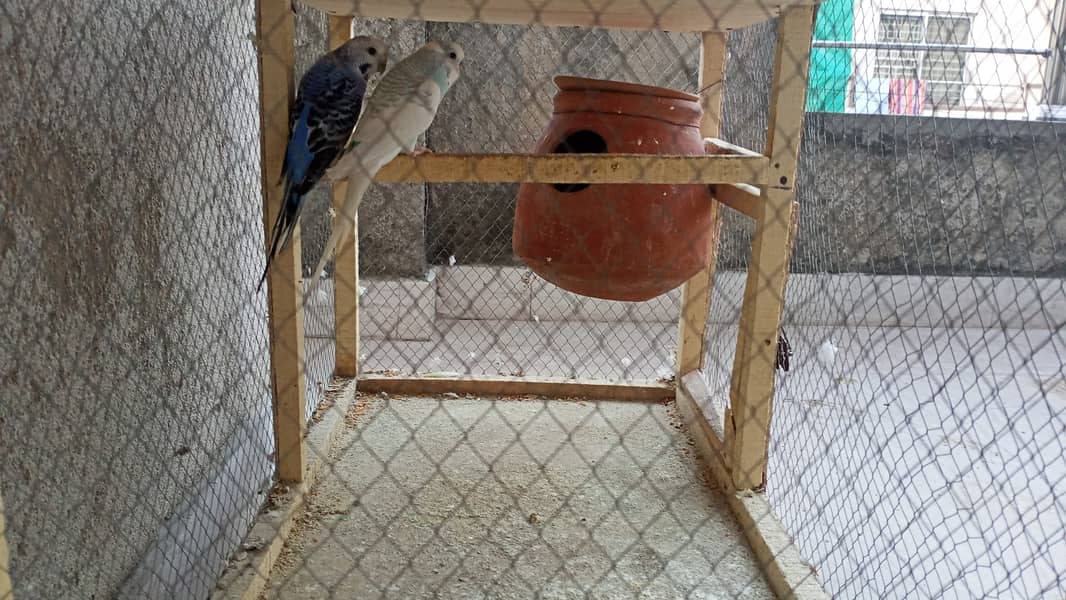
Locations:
758 185
787 573
747 424
668 15
6 590
517 386
576 168
275 29
696 293
346 259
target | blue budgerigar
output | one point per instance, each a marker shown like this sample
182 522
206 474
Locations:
327 107
401 108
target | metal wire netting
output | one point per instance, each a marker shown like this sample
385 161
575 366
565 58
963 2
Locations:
915 448
924 309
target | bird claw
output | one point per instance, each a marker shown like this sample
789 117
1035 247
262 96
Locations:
420 151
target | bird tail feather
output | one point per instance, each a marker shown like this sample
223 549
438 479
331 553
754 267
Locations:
342 225
283 228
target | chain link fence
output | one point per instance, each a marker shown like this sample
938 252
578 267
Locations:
916 441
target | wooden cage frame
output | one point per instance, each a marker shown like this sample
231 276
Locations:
759 185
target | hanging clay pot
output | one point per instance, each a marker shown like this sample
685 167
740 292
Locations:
616 241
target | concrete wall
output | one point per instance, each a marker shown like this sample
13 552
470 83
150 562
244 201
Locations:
906 195
880 194
932 196
133 351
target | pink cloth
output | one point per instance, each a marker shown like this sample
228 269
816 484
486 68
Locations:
906 96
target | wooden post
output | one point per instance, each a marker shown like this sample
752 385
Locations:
275 31
752 386
6 591
696 294
346 258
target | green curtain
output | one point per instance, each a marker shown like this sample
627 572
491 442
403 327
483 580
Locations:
831 67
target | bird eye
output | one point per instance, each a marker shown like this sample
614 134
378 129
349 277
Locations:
371 51
452 55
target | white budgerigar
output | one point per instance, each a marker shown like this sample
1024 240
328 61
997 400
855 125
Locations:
401 108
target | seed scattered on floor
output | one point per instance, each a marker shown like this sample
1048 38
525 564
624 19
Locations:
534 518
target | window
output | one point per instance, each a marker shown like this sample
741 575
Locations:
944 71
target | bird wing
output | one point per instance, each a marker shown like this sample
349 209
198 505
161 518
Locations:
326 111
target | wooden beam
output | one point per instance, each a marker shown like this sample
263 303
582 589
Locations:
248 576
788 574
714 145
667 15
741 197
516 386
339 30
752 386
346 257
274 27
696 293
7 592
574 168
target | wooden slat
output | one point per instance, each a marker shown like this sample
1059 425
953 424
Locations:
339 30
6 591
670 15
715 145
274 26
741 197
787 573
516 386
247 578
696 293
752 386
346 257
573 168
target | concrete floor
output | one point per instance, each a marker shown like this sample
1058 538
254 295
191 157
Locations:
927 461
508 498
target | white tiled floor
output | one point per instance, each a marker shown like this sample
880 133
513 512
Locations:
926 463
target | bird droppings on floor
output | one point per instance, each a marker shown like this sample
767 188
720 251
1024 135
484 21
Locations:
495 498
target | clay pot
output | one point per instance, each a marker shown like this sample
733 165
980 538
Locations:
618 241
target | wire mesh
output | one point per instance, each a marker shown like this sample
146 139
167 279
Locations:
916 441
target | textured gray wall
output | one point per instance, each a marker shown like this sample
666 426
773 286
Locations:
906 195
133 349
879 194
932 196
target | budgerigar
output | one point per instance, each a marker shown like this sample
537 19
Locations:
401 108
327 107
